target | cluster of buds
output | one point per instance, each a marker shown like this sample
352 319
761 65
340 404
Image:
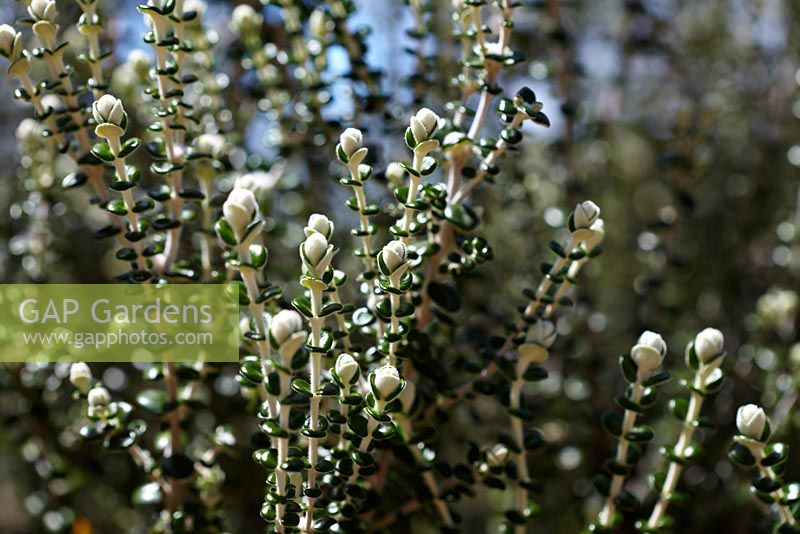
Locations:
346 370
393 262
110 117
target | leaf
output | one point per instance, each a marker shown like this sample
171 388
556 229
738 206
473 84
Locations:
225 232
103 152
629 368
461 216
302 386
129 147
445 295
657 379
612 422
153 400
775 454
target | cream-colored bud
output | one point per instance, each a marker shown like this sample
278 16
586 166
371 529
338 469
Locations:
386 381
259 182
429 120
394 255
43 10
586 213
240 209
80 376
751 421
648 353
244 19
708 344
10 42
498 455
346 368
284 325
350 141
319 223
395 172
98 396
108 109
213 144
315 247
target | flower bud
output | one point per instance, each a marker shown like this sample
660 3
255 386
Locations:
347 369
497 456
212 144
586 213
395 172
10 42
43 10
259 182
424 124
407 397
394 255
29 133
244 19
649 352
385 382
708 344
285 324
98 396
240 209
350 141
108 110
80 376
314 248
751 421
319 223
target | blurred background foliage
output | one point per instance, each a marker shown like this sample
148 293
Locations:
681 119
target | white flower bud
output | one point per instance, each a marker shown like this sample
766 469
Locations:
108 110
394 255
240 210
80 376
10 42
213 144
586 213
350 141
284 325
319 223
346 368
395 172
708 344
259 182
386 381
497 456
315 247
98 396
29 133
649 352
244 19
424 124
43 10
407 397
751 421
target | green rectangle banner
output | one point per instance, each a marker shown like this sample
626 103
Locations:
119 323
